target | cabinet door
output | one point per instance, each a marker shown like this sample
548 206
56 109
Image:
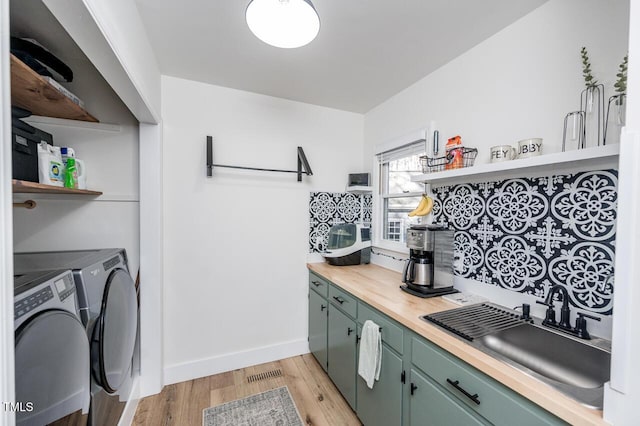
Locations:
430 406
342 354
318 327
382 405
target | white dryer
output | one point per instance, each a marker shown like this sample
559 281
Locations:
109 310
51 348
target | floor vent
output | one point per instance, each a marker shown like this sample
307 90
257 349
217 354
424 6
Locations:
264 376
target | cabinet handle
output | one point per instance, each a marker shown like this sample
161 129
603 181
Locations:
340 300
456 385
413 388
322 308
349 331
403 377
316 283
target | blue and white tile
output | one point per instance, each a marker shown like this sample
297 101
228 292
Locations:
533 233
514 264
586 205
517 205
463 206
329 208
583 271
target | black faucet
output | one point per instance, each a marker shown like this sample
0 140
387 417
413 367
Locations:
565 312
564 325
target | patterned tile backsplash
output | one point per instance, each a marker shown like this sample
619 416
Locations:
328 208
528 234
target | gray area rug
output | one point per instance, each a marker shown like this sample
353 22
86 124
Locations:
271 408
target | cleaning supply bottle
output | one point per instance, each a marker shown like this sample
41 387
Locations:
50 166
67 152
71 174
82 174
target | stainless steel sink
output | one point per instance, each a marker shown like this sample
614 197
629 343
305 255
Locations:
575 367
552 355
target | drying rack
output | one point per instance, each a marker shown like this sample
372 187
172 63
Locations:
303 164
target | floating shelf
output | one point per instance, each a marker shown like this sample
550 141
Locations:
38 120
359 189
25 187
32 92
583 159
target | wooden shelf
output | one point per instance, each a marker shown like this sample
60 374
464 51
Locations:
25 187
595 158
32 92
38 121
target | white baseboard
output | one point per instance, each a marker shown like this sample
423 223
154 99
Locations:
219 364
129 412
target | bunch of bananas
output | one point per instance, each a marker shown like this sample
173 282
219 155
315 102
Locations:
424 208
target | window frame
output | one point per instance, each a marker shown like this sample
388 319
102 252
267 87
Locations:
393 224
379 186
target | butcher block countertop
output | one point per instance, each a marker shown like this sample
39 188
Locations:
379 287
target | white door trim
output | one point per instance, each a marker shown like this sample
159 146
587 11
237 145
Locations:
7 374
151 260
622 396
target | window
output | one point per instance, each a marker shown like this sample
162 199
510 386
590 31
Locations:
398 194
393 230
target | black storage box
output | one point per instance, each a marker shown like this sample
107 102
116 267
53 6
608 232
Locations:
25 152
359 179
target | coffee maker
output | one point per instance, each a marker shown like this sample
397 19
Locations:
429 270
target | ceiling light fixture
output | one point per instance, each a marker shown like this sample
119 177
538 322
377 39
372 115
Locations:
283 23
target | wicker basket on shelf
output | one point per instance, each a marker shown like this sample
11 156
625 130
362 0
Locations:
438 164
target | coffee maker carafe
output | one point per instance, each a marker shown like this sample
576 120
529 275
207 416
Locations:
429 270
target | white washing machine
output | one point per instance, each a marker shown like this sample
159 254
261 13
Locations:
51 348
109 311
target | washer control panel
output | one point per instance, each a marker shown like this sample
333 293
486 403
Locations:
30 303
54 291
65 286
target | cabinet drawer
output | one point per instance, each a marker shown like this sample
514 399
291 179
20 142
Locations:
433 406
391 334
319 284
493 401
343 300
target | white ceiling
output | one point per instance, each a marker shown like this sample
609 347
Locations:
367 50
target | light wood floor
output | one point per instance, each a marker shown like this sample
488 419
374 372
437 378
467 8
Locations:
317 399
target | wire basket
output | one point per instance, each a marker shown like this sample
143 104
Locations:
438 164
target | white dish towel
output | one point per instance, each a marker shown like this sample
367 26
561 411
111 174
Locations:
370 359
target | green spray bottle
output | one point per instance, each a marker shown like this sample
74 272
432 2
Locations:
71 174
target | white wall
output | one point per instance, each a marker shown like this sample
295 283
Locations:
518 84
122 26
236 244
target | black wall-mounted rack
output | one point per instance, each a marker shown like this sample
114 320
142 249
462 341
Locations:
303 164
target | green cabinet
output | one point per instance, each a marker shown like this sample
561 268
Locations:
318 312
333 333
476 391
342 353
319 285
437 389
431 406
382 405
